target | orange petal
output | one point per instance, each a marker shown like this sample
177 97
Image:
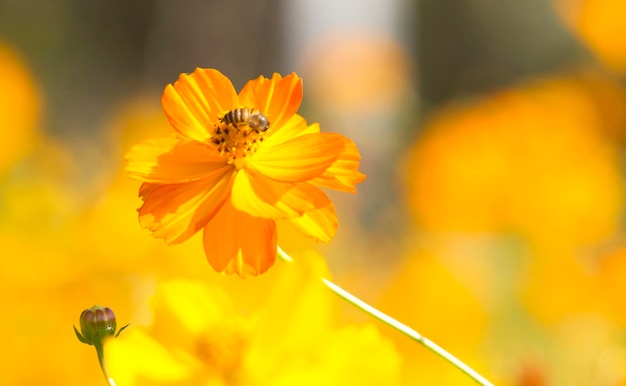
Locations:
319 224
300 159
294 127
176 212
278 98
194 102
170 160
343 174
259 196
235 242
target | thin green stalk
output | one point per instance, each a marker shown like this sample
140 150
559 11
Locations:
403 328
100 351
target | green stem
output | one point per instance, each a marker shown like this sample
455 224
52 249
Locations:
403 328
100 351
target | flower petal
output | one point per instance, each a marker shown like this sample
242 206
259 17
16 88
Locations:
294 127
175 212
300 159
135 356
259 196
278 98
319 224
171 160
194 102
188 305
235 242
344 173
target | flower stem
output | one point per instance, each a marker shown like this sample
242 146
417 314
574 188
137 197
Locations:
100 351
403 328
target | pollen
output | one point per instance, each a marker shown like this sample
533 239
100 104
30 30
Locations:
236 141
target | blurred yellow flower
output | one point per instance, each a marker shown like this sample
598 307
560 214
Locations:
429 295
240 162
611 272
20 107
199 338
576 290
539 161
600 25
578 301
37 221
535 159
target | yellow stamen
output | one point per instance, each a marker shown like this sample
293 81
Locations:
237 141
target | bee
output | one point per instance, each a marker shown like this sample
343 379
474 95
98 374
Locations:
251 117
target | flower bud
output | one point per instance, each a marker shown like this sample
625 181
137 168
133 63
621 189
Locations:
96 323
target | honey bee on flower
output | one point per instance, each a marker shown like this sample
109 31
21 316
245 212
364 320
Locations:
253 118
229 176
233 125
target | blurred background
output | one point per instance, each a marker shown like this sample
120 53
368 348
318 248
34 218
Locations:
492 134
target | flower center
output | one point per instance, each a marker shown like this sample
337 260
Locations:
222 354
238 134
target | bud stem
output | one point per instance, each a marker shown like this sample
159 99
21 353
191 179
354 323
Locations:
403 328
100 351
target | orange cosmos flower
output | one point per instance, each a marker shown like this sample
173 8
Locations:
240 162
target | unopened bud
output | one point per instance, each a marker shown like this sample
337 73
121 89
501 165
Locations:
97 323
